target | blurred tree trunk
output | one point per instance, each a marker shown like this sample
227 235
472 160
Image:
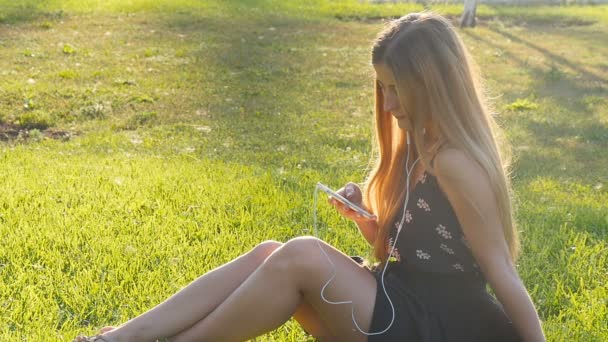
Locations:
468 17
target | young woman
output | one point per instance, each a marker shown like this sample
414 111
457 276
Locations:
443 227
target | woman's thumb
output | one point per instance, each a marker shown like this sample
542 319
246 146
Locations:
349 191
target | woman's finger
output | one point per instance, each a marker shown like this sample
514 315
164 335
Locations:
340 207
348 212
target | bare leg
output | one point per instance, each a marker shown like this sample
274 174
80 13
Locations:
229 276
311 322
296 272
308 319
194 302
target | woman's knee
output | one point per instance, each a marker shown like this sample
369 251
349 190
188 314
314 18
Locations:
264 249
301 246
297 253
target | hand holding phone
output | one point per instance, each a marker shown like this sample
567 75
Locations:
342 199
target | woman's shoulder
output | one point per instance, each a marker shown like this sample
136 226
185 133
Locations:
456 171
446 157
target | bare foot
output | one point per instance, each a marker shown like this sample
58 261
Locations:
97 338
106 329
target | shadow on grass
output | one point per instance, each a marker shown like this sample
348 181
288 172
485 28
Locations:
590 137
564 151
554 83
578 161
553 57
261 72
25 12
250 71
513 13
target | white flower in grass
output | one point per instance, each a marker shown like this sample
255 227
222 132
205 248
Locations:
204 129
458 267
441 230
422 255
136 140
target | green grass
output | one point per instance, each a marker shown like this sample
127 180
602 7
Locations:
198 129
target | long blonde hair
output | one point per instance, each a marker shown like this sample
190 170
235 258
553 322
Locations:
436 78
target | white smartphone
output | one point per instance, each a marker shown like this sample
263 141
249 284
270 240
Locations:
343 200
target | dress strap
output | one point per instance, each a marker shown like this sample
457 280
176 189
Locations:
443 143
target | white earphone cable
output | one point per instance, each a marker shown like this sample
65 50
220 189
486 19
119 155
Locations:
407 196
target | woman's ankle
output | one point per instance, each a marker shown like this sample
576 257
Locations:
120 335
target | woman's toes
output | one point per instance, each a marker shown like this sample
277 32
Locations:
106 329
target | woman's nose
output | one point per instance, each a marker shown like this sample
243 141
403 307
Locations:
391 101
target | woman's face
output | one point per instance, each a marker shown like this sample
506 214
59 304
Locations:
391 101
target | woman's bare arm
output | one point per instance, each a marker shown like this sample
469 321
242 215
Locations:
368 229
470 194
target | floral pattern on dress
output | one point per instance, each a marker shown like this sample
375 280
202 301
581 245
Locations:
408 216
441 230
446 249
422 255
441 249
423 205
395 252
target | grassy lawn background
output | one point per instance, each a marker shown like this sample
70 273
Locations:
147 143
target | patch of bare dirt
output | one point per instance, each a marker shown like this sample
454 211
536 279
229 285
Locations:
9 133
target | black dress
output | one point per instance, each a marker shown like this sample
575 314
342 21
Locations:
436 287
